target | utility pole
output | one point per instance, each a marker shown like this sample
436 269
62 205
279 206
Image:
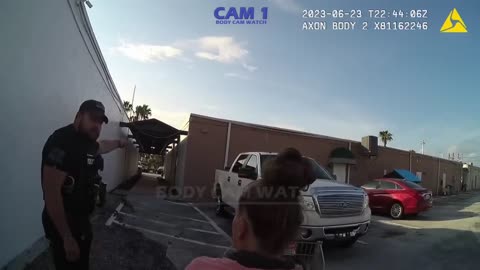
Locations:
423 143
133 99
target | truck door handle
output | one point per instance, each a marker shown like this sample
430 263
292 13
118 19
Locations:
239 182
228 179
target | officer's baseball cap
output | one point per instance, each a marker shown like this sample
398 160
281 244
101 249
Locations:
94 106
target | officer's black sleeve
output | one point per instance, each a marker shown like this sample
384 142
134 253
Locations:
56 153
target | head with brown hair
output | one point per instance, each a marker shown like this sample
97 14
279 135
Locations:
269 213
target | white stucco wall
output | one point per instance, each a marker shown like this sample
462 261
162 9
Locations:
46 70
472 177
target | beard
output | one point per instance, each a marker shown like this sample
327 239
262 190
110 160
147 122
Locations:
91 132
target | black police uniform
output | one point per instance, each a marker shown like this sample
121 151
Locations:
74 153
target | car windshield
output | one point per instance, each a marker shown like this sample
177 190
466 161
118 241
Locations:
319 171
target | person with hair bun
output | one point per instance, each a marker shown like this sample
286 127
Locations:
268 217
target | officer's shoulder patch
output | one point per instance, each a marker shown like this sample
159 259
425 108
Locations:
55 156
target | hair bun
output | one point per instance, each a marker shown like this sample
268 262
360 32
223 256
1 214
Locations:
288 170
290 154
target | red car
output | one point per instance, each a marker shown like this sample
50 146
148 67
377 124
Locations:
397 197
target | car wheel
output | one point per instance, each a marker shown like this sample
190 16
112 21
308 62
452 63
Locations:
396 210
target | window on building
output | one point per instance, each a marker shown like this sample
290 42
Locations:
239 163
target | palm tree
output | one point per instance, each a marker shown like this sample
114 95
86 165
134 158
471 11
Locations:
385 137
138 113
147 112
128 109
142 112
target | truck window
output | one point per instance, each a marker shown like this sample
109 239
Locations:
265 158
239 163
253 163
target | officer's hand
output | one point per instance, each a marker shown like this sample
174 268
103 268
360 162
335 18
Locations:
72 251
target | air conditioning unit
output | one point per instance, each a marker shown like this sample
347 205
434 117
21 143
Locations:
370 143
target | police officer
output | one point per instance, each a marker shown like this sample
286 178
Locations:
68 176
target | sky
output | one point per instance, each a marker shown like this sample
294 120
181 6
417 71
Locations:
419 85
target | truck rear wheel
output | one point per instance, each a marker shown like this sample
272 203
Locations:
220 209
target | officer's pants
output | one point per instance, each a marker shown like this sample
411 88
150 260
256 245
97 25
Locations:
84 242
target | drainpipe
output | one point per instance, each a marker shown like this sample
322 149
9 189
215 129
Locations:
227 146
438 176
348 165
410 161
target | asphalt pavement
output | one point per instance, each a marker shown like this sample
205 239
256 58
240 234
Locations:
446 237
140 230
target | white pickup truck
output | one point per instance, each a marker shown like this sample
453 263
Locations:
332 211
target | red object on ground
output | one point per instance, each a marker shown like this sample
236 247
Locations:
386 194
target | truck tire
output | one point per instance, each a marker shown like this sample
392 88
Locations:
220 208
396 210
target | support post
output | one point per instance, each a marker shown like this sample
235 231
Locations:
227 145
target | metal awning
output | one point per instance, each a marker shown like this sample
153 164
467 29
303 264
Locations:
403 174
342 155
153 136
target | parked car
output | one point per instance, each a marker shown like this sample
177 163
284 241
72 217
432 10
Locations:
332 211
397 197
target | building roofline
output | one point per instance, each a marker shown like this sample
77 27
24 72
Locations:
306 134
296 132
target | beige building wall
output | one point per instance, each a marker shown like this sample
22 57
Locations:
207 140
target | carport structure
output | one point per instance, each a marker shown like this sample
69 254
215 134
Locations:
156 137
153 136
